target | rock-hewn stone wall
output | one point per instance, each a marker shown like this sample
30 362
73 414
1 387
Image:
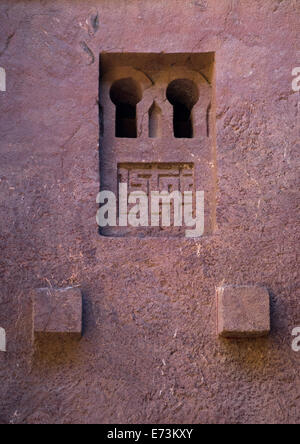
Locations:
149 351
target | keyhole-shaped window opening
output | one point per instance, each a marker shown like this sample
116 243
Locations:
154 121
183 94
126 94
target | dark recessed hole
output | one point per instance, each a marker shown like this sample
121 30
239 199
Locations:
183 94
126 94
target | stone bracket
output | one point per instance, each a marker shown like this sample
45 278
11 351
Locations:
243 311
58 311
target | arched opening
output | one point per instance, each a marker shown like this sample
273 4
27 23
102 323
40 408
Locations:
126 94
154 121
183 94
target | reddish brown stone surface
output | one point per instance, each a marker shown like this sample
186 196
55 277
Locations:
58 311
243 311
149 353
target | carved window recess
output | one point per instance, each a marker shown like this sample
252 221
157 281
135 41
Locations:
157 110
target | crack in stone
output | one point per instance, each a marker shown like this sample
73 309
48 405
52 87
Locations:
88 50
95 22
8 40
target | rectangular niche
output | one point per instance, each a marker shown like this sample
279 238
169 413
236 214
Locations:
157 130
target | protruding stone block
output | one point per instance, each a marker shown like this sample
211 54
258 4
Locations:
58 311
243 311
